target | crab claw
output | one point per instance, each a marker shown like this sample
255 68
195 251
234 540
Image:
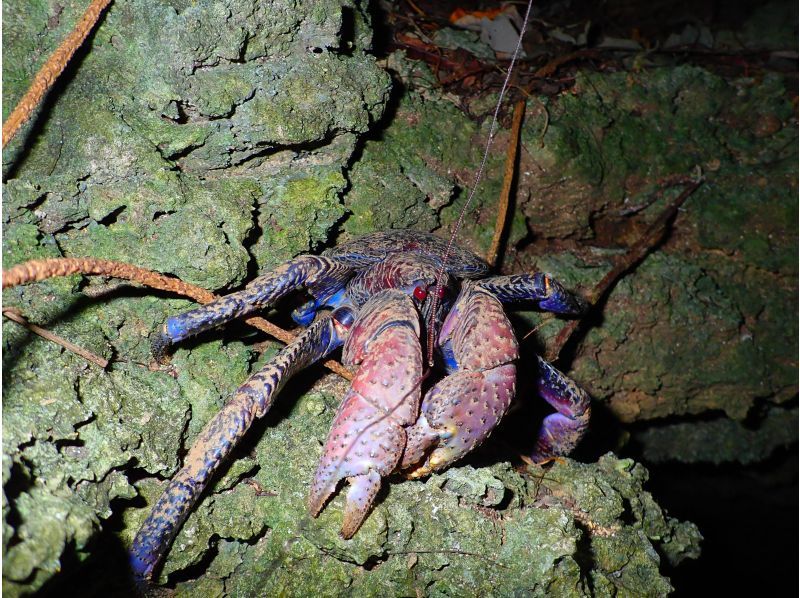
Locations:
561 431
368 435
460 412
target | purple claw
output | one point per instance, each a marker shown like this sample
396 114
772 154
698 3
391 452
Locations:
561 431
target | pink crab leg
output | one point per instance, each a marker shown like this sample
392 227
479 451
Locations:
251 400
322 276
561 431
460 412
368 435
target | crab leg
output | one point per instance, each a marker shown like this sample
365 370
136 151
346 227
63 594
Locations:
539 287
460 412
251 400
322 276
561 431
368 435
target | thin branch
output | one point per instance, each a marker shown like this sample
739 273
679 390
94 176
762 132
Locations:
622 264
51 69
36 270
14 315
551 67
508 178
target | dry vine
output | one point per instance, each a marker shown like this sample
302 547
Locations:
36 270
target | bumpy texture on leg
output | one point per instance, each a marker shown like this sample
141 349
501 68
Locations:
367 436
251 400
539 287
560 431
323 277
460 412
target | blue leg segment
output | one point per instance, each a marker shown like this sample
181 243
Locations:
538 287
251 400
323 277
561 431
306 313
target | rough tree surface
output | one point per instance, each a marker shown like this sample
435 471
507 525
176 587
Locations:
212 140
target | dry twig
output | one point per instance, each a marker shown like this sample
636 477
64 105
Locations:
623 263
14 315
508 178
51 69
36 270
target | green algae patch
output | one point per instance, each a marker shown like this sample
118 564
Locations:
624 558
297 213
420 172
132 159
721 440
440 537
695 329
404 179
69 430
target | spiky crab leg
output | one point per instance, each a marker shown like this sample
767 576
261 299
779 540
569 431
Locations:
539 287
250 401
560 431
322 276
460 411
367 437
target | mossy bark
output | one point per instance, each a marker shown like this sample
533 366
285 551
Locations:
211 140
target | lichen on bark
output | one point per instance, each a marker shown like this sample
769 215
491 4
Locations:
206 140
239 140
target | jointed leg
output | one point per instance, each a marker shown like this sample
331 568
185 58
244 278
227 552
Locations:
560 431
538 287
251 400
322 276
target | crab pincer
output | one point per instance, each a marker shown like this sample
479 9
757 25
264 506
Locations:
460 412
368 436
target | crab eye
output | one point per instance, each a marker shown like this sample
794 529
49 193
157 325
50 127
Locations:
420 293
440 292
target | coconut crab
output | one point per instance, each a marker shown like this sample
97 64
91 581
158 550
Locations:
381 290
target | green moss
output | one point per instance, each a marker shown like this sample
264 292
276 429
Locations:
129 167
721 440
225 148
297 213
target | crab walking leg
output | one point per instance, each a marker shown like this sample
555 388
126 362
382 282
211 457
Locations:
460 412
542 288
367 436
561 431
251 400
322 276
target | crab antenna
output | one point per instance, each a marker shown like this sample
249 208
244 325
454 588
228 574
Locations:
478 177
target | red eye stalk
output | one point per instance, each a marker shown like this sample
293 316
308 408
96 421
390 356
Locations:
420 293
440 292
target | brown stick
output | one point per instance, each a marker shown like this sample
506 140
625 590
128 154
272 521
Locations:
552 66
508 178
51 69
623 263
14 315
36 270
